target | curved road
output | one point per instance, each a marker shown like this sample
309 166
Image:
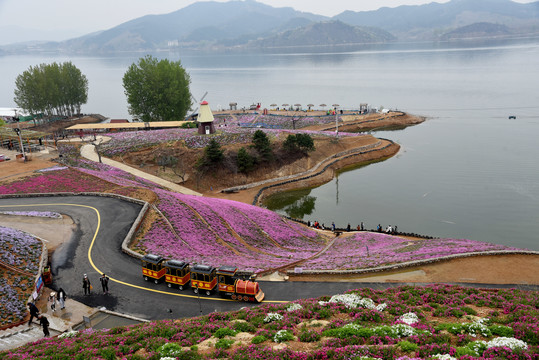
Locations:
101 225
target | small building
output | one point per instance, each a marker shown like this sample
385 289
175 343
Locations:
205 119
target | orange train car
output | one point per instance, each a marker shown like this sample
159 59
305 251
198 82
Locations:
177 274
152 268
203 279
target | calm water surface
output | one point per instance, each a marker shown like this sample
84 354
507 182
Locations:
467 172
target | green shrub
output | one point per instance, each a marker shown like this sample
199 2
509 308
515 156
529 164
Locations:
224 343
309 335
170 350
221 333
501 330
282 336
469 310
258 339
407 346
241 326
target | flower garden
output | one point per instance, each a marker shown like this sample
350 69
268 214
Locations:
122 142
222 232
20 254
430 322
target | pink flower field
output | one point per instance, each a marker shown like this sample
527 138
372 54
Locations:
366 250
224 232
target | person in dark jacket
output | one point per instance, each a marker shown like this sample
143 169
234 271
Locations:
34 312
45 324
104 283
86 285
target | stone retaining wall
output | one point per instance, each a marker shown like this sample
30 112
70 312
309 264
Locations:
359 150
296 179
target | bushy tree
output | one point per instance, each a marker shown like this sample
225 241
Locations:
262 145
299 142
245 161
157 90
305 142
52 89
290 144
213 154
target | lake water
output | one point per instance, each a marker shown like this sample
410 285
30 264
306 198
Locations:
467 172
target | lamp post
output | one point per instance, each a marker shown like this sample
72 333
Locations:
198 296
335 106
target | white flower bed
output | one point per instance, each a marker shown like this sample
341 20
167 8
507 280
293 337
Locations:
512 343
68 334
294 307
409 318
272 317
353 301
444 357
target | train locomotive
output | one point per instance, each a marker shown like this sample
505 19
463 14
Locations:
203 279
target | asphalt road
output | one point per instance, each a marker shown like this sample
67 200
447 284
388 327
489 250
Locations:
102 224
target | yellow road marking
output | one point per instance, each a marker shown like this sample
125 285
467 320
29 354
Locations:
119 281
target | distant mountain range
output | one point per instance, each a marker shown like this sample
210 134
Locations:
250 24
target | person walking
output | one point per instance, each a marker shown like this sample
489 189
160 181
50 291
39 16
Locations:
34 312
86 285
45 324
61 296
104 283
52 300
332 226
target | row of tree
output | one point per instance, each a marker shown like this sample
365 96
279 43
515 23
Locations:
155 90
245 161
51 89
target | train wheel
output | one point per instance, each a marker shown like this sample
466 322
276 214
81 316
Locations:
169 285
146 278
180 287
156 281
240 298
246 298
233 297
208 292
195 290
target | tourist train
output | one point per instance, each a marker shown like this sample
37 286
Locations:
202 278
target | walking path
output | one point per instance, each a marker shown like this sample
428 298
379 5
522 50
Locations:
88 151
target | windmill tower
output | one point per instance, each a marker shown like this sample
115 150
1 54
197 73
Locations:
205 119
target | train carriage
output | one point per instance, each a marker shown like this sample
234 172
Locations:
203 279
152 268
177 274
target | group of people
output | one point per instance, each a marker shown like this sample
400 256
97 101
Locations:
87 286
360 227
59 298
317 225
389 229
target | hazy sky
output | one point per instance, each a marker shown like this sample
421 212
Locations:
82 17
